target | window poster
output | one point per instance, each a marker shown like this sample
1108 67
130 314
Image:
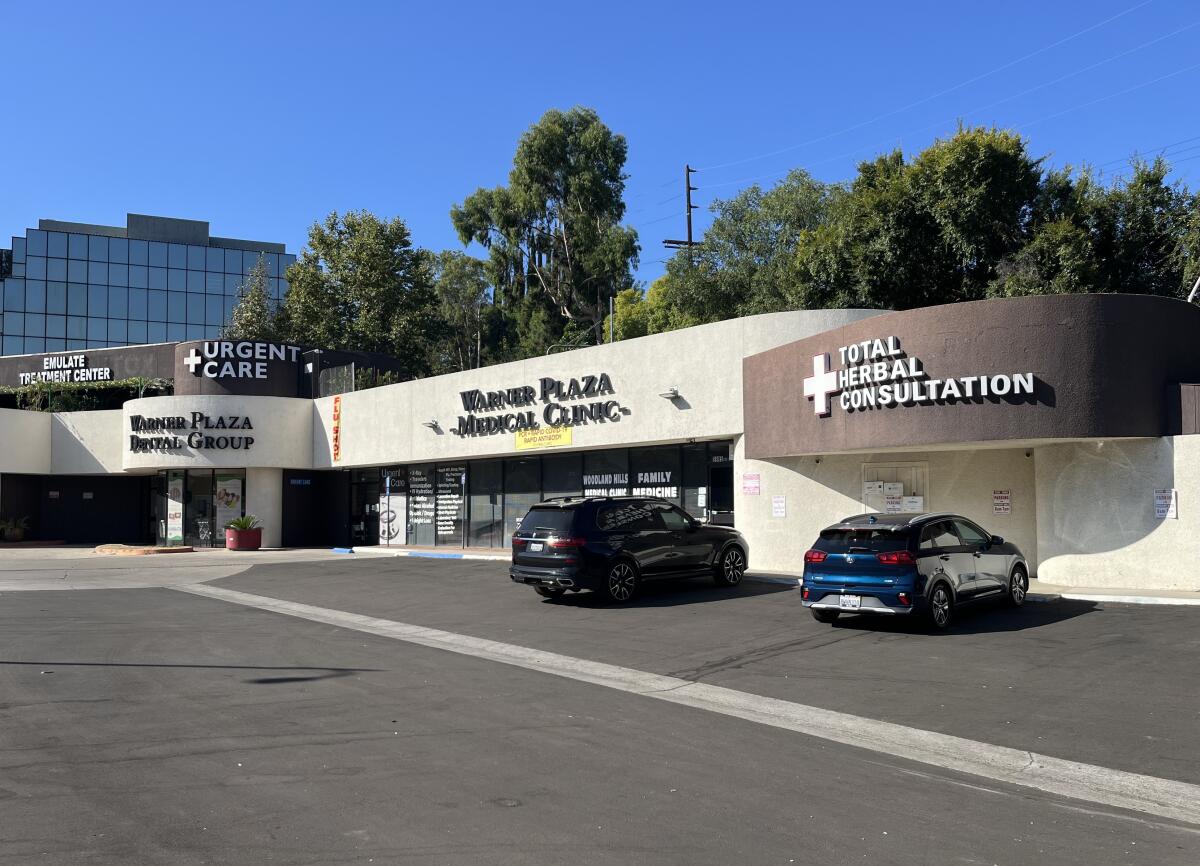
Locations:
450 490
421 505
227 497
174 527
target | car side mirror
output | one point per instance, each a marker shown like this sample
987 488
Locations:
997 539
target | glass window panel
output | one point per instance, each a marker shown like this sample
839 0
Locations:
118 330
137 303
118 302
77 300
76 328
77 271
14 295
118 250
56 244
35 296
486 500
274 288
195 332
97 330
137 252
156 332
18 250
14 324
56 326
35 243
421 505
286 260
18 270
137 332
195 281
284 285
35 267
233 282
562 475
214 310
655 472
195 309
176 308
76 344
118 275
97 248
606 473
195 258
522 490
97 303
33 345
55 344
97 272
214 284
158 278
233 261
214 259
249 260
176 280
77 247
229 303
137 276
157 306
56 299
272 264
13 345
56 269
177 256
157 254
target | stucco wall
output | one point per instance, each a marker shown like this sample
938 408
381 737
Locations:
820 493
1096 521
24 441
86 443
264 499
385 425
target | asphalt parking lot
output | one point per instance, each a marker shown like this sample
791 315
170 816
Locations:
148 725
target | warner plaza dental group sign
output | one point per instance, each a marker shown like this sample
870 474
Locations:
878 374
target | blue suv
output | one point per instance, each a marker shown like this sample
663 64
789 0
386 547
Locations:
909 564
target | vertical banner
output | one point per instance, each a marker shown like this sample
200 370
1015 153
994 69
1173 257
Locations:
174 533
337 429
227 497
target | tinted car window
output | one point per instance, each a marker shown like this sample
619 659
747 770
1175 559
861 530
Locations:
628 517
672 518
970 535
939 535
868 538
551 519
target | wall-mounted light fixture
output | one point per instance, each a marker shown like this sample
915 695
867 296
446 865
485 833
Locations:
670 394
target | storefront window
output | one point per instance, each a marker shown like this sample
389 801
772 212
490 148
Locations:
422 506
695 480
393 506
198 519
451 489
606 473
486 479
655 472
522 491
562 475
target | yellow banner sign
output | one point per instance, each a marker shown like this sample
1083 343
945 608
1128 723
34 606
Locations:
543 437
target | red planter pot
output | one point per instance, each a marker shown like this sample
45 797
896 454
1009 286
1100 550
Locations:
243 539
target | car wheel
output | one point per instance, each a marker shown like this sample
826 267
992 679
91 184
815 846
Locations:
1018 587
549 591
622 582
941 607
731 568
826 616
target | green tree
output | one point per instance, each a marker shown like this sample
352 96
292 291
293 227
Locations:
361 285
464 297
252 317
636 314
557 250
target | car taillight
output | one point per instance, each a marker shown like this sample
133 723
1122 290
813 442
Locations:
896 557
518 542
566 542
804 593
904 599
815 555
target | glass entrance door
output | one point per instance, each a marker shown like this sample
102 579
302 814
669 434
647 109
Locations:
199 518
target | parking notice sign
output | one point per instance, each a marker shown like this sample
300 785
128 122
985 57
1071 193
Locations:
1001 502
1166 504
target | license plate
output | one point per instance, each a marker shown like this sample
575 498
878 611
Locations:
850 602
535 547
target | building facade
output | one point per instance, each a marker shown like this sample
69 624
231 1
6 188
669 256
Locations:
157 279
1067 424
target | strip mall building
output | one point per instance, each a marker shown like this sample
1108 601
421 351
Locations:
1066 424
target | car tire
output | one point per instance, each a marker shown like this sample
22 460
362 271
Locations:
940 612
549 591
1018 587
731 567
621 582
825 616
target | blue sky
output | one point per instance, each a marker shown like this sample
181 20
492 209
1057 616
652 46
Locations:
263 117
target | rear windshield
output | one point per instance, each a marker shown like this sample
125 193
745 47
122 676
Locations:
549 519
873 539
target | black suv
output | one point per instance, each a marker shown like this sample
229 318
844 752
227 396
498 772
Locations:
612 543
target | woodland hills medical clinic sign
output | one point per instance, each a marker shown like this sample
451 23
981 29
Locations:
879 374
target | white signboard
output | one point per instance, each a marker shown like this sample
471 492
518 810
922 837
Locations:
872 488
893 488
751 484
893 504
779 506
1001 502
1166 504
912 504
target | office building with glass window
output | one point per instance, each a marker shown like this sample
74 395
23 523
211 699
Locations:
157 279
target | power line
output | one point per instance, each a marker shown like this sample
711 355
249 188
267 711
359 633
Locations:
934 96
1157 150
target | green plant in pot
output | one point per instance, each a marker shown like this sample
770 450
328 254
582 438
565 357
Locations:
243 533
14 530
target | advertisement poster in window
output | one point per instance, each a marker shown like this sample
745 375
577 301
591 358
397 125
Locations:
228 498
174 533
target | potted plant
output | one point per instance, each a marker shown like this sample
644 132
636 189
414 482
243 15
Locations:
14 530
243 533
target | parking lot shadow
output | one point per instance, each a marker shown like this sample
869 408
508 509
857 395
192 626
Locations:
672 593
315 673
983 618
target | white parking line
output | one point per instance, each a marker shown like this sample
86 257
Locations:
1164 798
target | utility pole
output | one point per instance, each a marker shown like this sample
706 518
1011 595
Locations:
688 189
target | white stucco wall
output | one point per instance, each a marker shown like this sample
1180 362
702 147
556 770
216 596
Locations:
820 493
24 441
86 443
1096 520
385 425
264 499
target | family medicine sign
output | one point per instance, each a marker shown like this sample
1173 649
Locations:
879 374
